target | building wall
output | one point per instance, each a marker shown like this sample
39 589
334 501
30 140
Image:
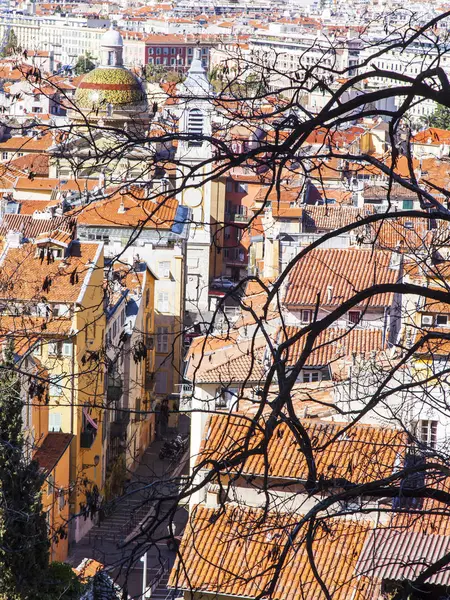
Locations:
174 53
57 507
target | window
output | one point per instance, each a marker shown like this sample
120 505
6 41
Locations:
37 350
53 348
408 204
310 376
67 349
229 186
50 484
306 316
158 50
160 382
164 269
163 302
240 188
61 499
162 343
173 51
55 387
147 297
442 320
427 433
165 50
354 316
5 155
150 50
54 421
228 398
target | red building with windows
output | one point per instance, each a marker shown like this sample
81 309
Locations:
176 51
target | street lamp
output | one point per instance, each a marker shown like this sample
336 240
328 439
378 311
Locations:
144 577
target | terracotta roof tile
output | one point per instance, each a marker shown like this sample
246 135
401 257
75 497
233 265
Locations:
327 218
335 275
34 163
235 552
362 454
52 449
31 227
29 273
136 211
403 234
246 368
333 344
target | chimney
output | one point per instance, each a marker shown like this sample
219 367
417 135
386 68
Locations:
212 496
329 294
121 209
14 239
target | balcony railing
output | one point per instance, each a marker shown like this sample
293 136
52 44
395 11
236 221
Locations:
236 218
186 390
87 439
118 427
113 393
149 380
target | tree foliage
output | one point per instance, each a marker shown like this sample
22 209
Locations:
23 530
440 118
84 64
12 44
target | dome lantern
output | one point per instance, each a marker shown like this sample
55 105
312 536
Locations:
111 49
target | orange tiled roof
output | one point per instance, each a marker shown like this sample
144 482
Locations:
137 211
433 136
40 143
361 454
24 274
31 227
27 329
52 449
403 234
247 368
235 552
327 218
335 275
34 163
333 344
88 568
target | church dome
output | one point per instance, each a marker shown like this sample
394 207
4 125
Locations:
114 86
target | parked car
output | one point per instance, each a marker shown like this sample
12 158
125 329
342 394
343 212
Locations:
222 283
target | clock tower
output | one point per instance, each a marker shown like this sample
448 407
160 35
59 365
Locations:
194 160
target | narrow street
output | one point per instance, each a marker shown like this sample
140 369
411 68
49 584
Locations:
116 542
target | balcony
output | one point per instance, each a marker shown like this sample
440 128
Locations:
236 218
87 439
149 381
113 393
186 390
119 424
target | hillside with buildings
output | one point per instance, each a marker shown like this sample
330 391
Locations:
224 298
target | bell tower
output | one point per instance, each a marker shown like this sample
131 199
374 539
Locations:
194 160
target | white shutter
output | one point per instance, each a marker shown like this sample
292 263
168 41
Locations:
54 421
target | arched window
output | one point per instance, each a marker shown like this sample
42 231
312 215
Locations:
195 126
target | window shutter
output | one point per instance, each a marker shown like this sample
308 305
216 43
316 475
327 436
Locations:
54 421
